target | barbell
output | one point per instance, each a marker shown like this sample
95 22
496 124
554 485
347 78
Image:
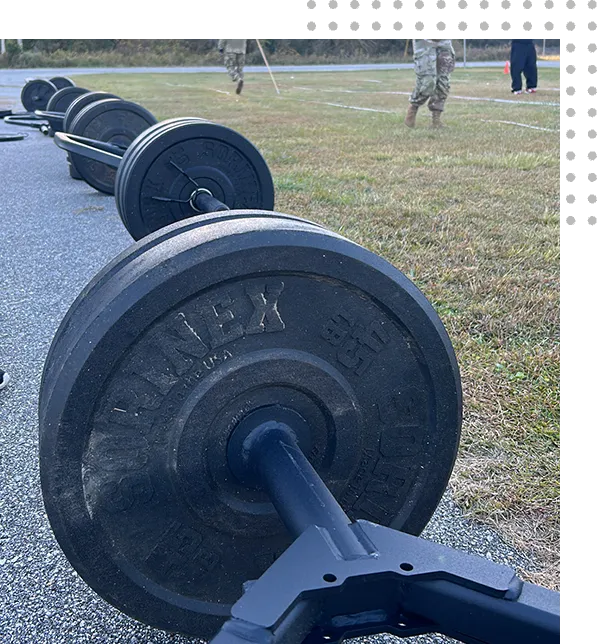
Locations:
181 346
176 169
240 378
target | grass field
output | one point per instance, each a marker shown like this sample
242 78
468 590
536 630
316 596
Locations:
470 213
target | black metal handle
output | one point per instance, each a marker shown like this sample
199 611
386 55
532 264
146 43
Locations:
340 579
26 119
44 114
29 116
107 153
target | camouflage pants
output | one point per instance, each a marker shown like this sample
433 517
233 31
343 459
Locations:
234 65
434 62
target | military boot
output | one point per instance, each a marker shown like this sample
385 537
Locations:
411 115
436 119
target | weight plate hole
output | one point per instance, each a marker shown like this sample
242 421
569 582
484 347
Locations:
330 578
406 566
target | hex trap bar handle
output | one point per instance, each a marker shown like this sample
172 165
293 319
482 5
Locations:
55 119
30 116
340 579
44 114
26 119
107 153
201 201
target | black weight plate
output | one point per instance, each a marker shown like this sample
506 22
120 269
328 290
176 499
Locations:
179 348
162 133
166 170
61 100
62 81
72 172
140 140
83 101
74 108
76 318
111 121
36 94
137 147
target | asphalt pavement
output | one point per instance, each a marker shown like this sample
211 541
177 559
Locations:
55 234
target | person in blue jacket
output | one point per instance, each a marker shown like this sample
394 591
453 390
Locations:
523 60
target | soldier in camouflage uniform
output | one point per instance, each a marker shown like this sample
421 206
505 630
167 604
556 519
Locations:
234 58
434 62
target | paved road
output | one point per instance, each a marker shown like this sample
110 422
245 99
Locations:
56 233
12 80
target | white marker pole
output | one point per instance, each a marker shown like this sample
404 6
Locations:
2 46
464 52
267 65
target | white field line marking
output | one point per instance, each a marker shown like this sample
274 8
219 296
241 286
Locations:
370 109
533 127
366 81
212 89
462 98
346 107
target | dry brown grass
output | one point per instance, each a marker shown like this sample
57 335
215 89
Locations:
469 213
